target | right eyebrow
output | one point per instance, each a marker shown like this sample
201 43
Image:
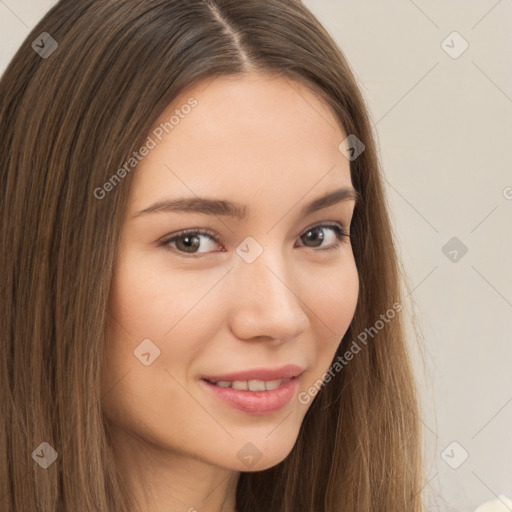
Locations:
218 207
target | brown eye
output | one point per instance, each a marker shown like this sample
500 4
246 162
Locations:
316 235
188 242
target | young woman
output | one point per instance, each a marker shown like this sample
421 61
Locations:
202 296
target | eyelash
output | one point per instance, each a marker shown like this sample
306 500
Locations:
338 229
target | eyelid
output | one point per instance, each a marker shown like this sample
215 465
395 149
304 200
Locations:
327 224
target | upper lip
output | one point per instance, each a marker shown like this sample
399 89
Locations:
266 374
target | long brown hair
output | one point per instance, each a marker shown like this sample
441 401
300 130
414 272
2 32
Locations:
68 121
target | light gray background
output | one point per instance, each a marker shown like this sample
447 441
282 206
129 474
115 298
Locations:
444 130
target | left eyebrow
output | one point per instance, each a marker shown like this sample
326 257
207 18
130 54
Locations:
334 197
220 207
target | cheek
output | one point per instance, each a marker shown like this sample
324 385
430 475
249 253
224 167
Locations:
149 303
139 298
173 309
331 297
151 299
331 300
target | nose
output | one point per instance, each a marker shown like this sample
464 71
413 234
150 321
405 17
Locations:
266 300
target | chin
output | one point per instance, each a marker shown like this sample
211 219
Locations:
263 452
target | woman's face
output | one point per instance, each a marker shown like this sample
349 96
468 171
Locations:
264 292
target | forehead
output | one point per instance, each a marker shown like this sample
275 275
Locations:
251 137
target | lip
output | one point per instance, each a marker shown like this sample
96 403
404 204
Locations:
255 402
288 371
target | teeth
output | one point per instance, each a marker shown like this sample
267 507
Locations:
272 384
256 385
252 385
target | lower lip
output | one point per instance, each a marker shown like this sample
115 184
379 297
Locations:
255 402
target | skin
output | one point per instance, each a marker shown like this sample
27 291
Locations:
271 144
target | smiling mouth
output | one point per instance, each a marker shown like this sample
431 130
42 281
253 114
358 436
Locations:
254 396
251 385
